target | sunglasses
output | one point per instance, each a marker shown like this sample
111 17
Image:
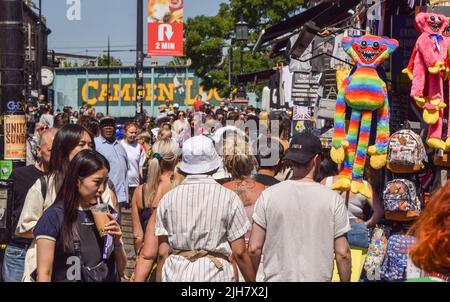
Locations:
43 128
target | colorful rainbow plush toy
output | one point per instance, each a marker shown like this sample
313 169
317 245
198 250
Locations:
425 69
362 92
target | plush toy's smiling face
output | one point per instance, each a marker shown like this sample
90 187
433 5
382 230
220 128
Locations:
369 50
431 23
435 23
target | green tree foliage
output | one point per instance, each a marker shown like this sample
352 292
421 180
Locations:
103 61
208 38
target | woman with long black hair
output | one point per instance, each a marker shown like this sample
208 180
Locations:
69 140
69 245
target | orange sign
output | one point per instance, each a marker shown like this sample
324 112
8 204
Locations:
15 137
165 28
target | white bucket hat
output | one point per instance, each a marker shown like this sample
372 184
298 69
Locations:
199 156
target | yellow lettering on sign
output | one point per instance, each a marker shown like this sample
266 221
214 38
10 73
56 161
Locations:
216 95
148 92
103 92
84 89
189 89
116 89
125 92
165 92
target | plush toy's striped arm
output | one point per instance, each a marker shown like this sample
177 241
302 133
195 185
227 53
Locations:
339 116
382 138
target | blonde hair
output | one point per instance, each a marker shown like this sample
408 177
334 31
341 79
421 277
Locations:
237 157
164 158
164 134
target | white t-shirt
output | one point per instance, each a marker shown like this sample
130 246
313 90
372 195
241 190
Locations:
301 220
136 158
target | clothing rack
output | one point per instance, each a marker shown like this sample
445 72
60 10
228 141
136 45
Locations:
326 54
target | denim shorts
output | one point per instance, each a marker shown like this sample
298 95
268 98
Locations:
358 235
13 264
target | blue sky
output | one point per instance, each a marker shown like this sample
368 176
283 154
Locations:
100 18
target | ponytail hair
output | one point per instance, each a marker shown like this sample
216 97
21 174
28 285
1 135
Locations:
164 158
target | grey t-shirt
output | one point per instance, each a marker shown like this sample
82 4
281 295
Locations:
301 220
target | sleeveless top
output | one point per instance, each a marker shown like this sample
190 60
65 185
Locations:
356 202
144 213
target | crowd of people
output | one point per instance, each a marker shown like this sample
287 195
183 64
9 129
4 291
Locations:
216 194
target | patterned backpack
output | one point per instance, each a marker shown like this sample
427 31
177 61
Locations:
376 252
400 200
406 152
396 259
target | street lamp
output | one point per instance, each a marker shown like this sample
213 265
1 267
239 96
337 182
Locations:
241 31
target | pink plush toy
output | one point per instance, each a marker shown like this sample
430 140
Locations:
428 64
435 130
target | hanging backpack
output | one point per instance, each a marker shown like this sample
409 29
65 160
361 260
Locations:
396 259
400 200
376 252
406 152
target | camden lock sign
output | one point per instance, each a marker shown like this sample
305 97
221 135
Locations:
123 92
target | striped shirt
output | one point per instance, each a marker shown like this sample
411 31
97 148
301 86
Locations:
200 214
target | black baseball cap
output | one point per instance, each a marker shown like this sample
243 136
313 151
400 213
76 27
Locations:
303 147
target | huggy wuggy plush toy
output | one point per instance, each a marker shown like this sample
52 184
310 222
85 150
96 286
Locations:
425 69
363 92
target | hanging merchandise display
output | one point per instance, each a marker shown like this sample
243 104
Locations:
305 88
374 17
426 70
362 93
406 152
322 45
297 65
287 85
338 52
265 99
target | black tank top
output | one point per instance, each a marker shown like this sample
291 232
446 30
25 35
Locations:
145 213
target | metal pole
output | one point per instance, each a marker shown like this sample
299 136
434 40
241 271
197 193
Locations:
152 91
242 59
12 83
140 57
39 48
186 101
230 69
107 80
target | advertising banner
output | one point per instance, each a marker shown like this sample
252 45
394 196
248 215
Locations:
165 28
15 137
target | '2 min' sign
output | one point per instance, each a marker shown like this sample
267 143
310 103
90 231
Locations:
165 39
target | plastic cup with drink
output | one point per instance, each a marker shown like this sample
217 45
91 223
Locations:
100 213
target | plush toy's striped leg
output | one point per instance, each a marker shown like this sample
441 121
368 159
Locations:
339 117
382 137
352 137
378 152
363 142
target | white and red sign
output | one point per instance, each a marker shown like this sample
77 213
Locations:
165 28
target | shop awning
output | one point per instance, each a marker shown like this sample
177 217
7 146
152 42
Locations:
324 14
255 76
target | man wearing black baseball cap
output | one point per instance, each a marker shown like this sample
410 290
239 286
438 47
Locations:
303 148
300 224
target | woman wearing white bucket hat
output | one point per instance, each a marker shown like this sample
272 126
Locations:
198 222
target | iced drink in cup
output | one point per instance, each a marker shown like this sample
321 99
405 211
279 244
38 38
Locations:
100 213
